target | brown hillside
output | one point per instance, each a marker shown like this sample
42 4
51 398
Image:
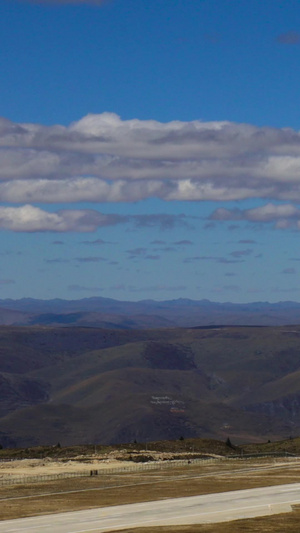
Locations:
87 385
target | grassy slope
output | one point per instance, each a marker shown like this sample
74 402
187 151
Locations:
101 382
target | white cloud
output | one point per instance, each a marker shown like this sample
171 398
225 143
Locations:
283 216
29 218
82 189
103 158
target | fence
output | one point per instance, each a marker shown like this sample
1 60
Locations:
14 480
260 455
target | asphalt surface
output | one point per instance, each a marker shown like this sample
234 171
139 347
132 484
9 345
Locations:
209 508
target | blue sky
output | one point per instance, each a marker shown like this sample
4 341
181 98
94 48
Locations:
150 149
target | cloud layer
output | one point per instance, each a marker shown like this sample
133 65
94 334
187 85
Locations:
283 216
101 158
29 218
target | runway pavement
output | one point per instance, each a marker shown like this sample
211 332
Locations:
209 508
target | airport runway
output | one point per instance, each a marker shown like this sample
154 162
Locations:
209 508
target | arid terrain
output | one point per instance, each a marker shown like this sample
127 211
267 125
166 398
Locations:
46 461
163 476
92 385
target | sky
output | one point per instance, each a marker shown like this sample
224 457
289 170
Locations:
150 150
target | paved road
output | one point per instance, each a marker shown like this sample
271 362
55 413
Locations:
177 511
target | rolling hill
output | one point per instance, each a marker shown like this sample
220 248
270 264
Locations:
90 385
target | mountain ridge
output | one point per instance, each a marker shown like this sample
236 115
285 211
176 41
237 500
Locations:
181 312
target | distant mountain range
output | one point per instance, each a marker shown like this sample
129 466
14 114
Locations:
109 313
93 385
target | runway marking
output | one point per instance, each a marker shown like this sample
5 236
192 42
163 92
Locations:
273 508
163 521
151 520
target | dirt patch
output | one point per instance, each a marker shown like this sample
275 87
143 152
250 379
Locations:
48 466
83 463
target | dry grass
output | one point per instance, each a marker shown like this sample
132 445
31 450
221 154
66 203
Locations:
106 489
284 523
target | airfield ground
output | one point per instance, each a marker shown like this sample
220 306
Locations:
105 489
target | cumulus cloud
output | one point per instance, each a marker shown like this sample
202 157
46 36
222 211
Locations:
29 218
102 158
284 216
